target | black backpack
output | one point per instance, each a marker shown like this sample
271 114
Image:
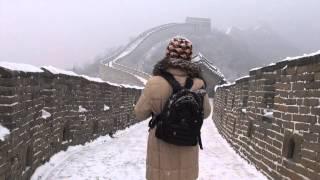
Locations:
182 117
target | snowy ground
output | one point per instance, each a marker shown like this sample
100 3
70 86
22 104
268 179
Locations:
123 157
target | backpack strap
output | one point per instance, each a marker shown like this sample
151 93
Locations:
189 83
200 141
171 80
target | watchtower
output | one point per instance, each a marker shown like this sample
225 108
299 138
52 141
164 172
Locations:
202 25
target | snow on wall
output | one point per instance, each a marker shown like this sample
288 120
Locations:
33 69
45 114
3 132
20 67
55 70
290 59
303 56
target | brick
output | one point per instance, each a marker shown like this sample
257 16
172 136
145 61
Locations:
282 86
308 137
315 110
305 118
304 110
291 70
287 117
298 86
314 85
311 102
310 164
302 126
297 169
293 109
303 69
308 154
311 146
291 101
289 174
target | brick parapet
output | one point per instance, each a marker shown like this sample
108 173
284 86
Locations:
271 118
33 139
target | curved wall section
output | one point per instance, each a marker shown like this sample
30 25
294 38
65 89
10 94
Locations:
133 59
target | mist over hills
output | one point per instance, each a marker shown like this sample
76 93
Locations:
234 52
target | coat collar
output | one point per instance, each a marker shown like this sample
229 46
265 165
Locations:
176 72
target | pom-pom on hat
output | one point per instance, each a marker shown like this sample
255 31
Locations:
179 48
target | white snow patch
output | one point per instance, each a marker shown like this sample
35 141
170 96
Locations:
55 70
9 105
256 68
82 109
45 114
223 85
290 59
3 132
244 110
229 30
247 76
134 44
143 80
106 108
19 67
131 86
93 79
285 67
268 113
303 56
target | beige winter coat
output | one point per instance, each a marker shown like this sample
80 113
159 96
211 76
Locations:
166 161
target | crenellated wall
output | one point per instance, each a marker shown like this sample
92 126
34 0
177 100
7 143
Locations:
80 110
272 118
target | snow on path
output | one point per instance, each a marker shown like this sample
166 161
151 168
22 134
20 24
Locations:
123 157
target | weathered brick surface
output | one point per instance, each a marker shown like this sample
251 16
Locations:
34 139
287 144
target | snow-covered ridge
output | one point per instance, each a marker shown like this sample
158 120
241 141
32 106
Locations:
200 58
111 61
303 56
135 43
243 77
20 67
223 85
289 59
55 70
30 68
271 64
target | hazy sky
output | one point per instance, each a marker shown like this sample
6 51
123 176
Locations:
67 32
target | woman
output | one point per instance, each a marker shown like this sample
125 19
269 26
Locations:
167 161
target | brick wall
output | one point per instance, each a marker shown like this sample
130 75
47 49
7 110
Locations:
272 118
34 139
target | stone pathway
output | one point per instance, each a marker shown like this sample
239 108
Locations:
123 157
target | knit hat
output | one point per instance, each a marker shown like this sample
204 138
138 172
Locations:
179 48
